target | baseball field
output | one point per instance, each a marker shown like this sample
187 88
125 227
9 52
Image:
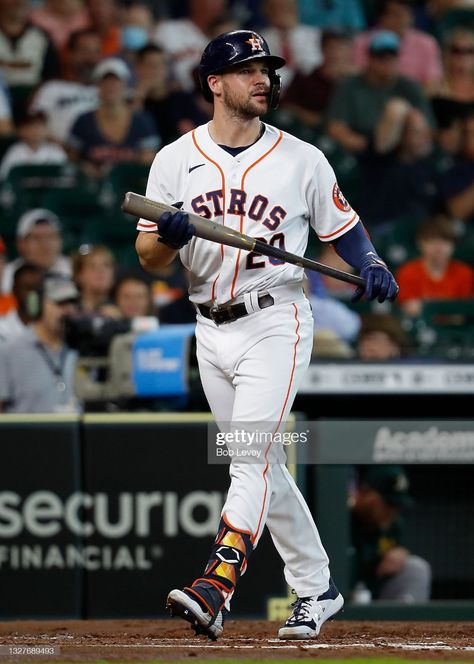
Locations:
252 641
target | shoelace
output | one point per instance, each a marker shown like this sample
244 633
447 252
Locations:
302 610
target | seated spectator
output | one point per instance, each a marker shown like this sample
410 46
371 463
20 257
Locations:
6 124
458 181
399 177
174 111
64 99
381 338
133 296
299 44
360 103
38 241
308 95
113 133
33 148
335 287
104 18
330 314
337 13
27 54
382 563
93 270
453 97
26 281
419 53
434 275
184 40
60 18
37 369
7 301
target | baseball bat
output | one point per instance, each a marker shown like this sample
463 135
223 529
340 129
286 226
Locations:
141 206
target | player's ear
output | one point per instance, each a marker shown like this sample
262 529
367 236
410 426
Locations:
214 82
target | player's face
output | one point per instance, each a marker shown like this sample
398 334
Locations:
245 89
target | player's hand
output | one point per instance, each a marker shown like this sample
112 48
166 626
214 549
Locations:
175 229
380 282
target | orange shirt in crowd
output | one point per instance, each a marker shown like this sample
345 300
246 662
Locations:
7 303
416 283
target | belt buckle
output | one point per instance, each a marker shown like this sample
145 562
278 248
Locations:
216 310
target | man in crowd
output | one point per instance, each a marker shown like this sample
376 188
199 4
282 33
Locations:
361 108
38 242
37 369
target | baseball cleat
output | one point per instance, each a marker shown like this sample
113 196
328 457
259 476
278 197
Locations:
193 605
310 613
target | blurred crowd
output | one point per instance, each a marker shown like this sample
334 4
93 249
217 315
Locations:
91 89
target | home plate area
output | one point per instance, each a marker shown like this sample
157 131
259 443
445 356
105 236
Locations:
145 640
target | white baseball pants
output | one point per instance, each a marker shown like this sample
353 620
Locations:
251 369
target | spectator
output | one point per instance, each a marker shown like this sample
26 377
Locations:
37 369
33 148
60 18
308 95
174 111
434 275
335 287
299 44
419 53
331 314
382 562
6 125
184 39
104 18
337 13
453 98
93 269
63 100
133 296
114 133
458 182
26 280
399 177
38 240
381 338
136 30
361 102
27 54
7 301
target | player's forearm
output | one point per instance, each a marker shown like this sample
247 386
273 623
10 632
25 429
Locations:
355 246
153 255
461 206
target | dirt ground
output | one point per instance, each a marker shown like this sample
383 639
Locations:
139 640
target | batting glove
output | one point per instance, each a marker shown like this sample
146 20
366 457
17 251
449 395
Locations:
380 282
175 229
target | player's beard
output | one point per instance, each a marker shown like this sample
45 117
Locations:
244 109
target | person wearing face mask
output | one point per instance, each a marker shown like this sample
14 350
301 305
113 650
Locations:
135 33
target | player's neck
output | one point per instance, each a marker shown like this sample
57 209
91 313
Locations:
234 132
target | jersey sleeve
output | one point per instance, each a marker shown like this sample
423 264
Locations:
331 214
158 188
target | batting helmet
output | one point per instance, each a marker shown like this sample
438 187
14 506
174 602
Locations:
233 48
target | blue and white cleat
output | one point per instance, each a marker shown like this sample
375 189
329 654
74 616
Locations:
310 613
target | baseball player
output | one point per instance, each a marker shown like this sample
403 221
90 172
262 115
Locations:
254 325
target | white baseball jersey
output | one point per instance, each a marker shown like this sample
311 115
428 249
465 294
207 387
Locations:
273 190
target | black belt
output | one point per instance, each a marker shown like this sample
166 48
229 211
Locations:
230 312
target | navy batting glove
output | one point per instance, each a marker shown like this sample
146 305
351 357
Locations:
175 229
380 282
